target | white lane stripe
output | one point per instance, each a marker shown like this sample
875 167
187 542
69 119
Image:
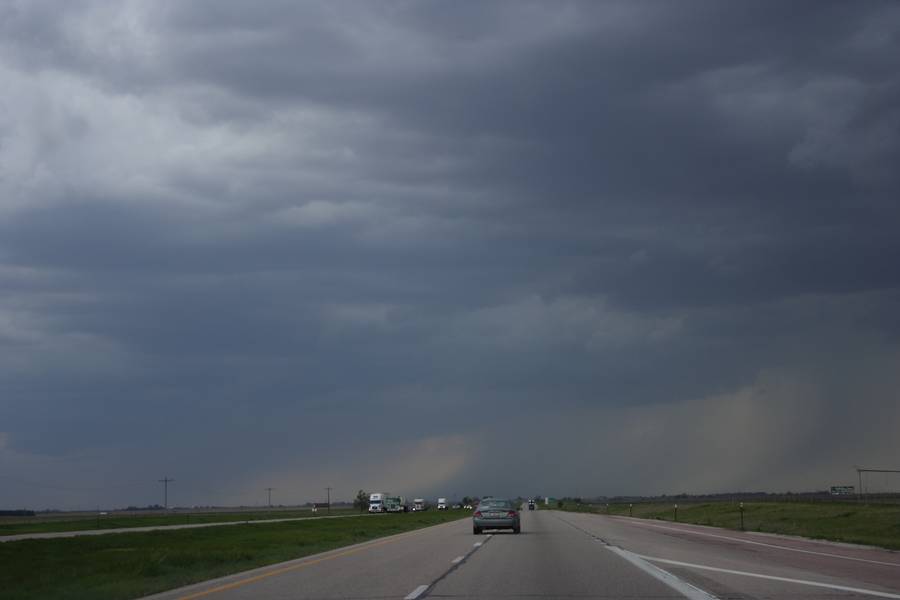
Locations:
733 539
477 544
458 559
831 586
416 592
687 590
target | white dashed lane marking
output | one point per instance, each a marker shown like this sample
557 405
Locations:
416 592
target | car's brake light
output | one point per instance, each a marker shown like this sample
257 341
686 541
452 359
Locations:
478 513
511 513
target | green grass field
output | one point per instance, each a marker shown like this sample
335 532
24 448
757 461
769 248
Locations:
875 525
129 565
121 520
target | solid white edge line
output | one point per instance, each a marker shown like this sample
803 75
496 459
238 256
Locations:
831 586
682 587
416 592
755 543
458 559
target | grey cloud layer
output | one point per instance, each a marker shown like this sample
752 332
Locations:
321 230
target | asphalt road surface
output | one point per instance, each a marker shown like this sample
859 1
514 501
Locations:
569 555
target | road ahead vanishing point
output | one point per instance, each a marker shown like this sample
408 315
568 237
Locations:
570 555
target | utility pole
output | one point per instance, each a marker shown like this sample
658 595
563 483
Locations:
165 481
859 489
269 489
328 489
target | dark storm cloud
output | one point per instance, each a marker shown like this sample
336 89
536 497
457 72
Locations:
314 229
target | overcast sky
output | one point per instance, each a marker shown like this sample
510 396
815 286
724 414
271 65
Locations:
445 248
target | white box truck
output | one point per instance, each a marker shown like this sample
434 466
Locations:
376 502
442 504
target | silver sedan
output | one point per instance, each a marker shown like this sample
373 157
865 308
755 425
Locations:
496 513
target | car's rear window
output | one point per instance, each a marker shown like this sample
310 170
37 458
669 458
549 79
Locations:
495 504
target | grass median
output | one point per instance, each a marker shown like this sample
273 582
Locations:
129 565
874 525
121 520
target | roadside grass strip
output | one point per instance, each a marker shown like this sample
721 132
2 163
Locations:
76 533
130 565
122 520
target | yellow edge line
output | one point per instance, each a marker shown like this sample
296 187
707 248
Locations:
261 576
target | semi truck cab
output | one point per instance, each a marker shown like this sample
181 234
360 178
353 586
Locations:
376 502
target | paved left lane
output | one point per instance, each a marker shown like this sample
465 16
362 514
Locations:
390 567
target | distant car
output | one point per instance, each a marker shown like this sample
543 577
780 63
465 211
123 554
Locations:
531 505
495 513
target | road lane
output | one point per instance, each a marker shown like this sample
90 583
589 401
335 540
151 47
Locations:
732 564
549 559
390 567
571 555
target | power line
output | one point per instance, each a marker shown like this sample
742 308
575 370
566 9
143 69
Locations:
65 488
861 470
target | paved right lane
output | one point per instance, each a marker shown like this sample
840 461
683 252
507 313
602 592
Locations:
549 559
735 565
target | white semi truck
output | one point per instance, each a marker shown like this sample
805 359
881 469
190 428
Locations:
395 504
376 502
442 504
419 504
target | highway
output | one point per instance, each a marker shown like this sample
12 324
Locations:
571 555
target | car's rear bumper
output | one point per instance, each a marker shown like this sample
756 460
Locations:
495 523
